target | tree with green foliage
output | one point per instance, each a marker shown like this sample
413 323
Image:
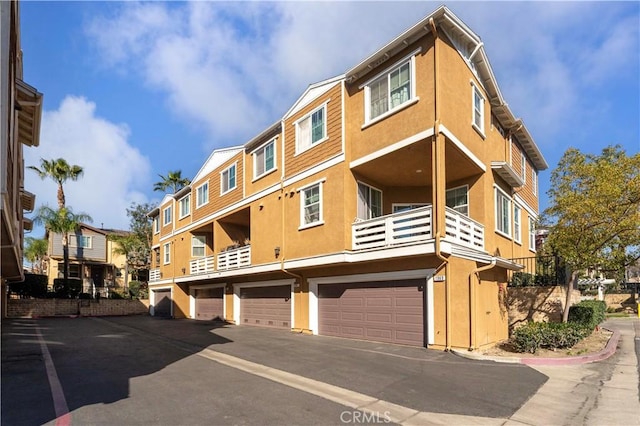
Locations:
126 245
594 211
172 180
60 171
141 226
61 221
35 251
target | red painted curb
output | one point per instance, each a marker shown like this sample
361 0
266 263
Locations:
609 350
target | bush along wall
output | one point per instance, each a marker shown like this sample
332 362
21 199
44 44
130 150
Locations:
584 317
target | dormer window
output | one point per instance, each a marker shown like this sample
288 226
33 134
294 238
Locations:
311 129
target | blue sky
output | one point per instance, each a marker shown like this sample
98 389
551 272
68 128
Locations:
133 90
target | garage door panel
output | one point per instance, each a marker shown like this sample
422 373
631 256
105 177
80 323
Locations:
162 303
266 306
390 311
209 303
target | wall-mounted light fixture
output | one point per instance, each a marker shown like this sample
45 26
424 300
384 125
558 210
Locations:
276 251
184 270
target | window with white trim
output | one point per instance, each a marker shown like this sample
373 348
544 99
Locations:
167 215
390 90
311 205
369 201
80 241
523 167
532 234
185 206
517 221
458 199
202 195
156 256
156 225
228 179
166 252
312 129
503 213
534 181
198 245
264 159
478 108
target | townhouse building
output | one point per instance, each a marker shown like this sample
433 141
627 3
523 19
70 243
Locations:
384 205
93 258
20 115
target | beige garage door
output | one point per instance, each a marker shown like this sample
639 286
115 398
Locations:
266 306
389 311
209 303
162 303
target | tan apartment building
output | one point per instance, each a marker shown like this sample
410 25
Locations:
384 205
20 115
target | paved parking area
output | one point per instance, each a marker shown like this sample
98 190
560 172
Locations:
137 370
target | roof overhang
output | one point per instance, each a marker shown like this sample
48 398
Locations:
267 134
27 224
30 113
506 172
28 200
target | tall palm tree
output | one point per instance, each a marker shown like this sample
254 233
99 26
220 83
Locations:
61 221
60 171
173 180
35 251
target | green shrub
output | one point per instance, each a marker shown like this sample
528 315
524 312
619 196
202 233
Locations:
548 335
115 295
33 286
589 313
67 290
85 296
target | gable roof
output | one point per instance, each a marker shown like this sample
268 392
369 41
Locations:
462 36
217 158
312 92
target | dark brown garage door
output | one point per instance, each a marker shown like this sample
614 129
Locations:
162 303
266 306
390 311
209 303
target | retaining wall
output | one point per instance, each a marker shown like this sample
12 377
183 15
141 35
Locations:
32 308
537 304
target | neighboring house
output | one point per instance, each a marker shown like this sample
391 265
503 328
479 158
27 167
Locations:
20 114
91 258
384 205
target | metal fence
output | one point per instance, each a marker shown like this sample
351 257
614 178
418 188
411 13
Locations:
538 271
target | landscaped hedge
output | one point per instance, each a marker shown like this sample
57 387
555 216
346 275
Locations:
34 285
69 289
583 319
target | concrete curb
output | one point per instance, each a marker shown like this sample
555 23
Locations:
609 350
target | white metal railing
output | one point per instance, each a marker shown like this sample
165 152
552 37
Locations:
154 274
202 265
398 228
464 230
235 258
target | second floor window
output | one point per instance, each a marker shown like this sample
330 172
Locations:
156 256
311 130
198 245
523 166
389 91
503 213
264 159
478 109
166 249
369 202
534 182
458 199
167 216
311 205
228 179
532 234
185 206
202 195
156 225
80 241
517 220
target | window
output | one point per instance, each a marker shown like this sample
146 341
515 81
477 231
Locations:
503 213
478 109
311 205
389 91
534 182
517 231
185 206
264 159
311 130
458 199
74 270
80 241
228 179
156 225
167 213
198 245
369 202
166 249
523 167
532 234
156 256
202 194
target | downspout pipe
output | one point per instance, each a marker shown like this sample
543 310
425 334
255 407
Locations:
435 168
473 343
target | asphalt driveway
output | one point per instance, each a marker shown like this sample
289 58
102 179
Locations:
137 370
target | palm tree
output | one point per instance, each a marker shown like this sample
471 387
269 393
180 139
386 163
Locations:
35 251
61 221
173 180
60 171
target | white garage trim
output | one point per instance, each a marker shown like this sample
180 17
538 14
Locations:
192 298
427 274
152 298
273 283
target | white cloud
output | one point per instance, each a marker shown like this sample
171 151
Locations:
115 173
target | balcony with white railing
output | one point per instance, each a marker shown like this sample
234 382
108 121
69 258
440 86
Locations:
464 230
202 265
154 274
398 228
234 258
415 225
